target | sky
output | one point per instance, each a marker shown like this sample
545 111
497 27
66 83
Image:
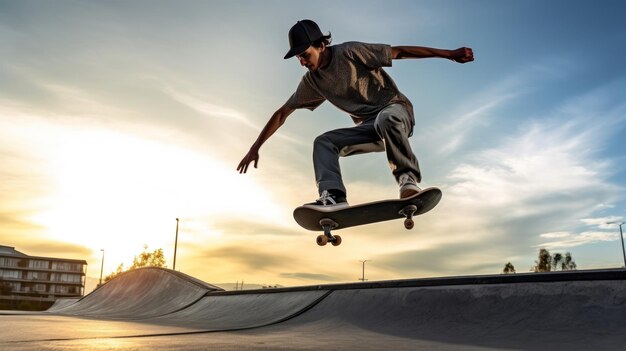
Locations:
117 117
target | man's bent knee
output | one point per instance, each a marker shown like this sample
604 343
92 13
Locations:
324 142
394 117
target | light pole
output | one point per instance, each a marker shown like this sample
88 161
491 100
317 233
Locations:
621 236
363 271
101 267
175 245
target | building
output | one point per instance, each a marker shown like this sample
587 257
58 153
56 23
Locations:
25 277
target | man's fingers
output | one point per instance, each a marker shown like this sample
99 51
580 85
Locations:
243 166
469 54
245 163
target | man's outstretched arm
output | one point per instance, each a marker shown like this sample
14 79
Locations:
461 55
277 120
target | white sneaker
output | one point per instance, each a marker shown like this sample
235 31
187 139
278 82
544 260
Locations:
328 201
408 186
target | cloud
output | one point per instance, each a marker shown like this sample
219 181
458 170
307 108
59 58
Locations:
472 116
209 109
245 227
603 222
549 161
568 240
295 260
480 115
555 235
248 258
231 118
310 276
455 259
542 172
51 248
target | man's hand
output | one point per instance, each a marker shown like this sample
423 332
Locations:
277 120
252 155
462 55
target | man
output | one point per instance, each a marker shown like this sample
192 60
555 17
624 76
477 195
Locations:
351 77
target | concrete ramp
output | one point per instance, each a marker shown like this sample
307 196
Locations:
139 294
243 311
512 315
61 304
155 307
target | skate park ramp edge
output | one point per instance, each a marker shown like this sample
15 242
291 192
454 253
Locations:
138 294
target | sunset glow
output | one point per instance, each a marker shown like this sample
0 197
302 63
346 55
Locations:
116 118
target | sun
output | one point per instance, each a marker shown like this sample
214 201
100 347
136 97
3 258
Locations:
119 192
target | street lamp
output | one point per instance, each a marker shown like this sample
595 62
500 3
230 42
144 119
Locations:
101 267
363 271
175 245
621 235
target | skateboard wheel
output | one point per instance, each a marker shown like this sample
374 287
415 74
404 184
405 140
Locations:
408 223
337 241
322 240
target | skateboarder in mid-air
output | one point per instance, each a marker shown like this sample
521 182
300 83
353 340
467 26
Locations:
351 77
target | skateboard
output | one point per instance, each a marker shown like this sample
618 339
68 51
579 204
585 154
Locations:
325 220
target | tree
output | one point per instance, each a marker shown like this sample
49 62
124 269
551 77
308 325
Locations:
155 258
548 263
568 263
556 260
149 259
545 262
118 271
508 268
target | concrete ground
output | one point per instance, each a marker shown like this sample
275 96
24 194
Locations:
158 309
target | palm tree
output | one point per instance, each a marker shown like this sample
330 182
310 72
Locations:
568 263
556 260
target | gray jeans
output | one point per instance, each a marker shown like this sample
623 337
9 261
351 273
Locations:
389 131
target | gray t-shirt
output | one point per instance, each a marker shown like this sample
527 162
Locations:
353 81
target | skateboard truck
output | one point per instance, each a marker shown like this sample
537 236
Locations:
328 224
408 213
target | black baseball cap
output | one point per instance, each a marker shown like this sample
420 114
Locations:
301 36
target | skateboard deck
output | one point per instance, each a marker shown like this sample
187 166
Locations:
328 219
